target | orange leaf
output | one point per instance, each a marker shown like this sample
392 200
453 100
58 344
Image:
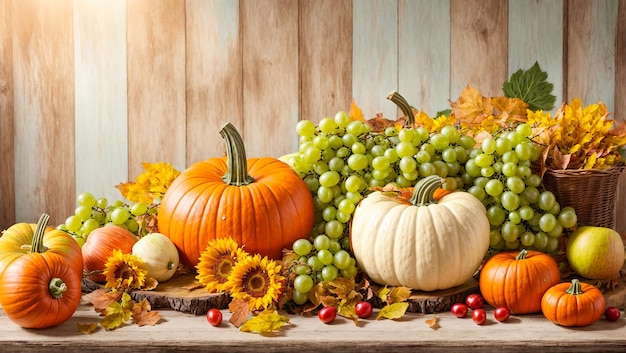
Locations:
104 299
433 322
124 187
355 112
239 308
471 107
142 314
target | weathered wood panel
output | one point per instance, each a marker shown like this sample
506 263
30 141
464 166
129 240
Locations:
43 61
101 139
536 35
270 77
156 83
325 59
375 56
620 107
7 152
478 38
214 75
591 34
424 54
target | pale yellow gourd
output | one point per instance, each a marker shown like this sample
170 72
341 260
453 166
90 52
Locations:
159 255
421 243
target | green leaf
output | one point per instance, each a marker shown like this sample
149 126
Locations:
532 87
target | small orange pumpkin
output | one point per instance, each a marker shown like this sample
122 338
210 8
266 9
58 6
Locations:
573 304
260 202
42 288
518 280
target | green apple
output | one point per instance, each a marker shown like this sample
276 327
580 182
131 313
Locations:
595 252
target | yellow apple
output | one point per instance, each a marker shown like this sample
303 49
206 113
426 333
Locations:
595 252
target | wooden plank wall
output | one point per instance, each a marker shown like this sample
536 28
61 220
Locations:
91 89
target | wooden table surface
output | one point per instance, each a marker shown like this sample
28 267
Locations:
187 332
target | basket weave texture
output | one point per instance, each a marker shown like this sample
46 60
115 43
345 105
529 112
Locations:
591 192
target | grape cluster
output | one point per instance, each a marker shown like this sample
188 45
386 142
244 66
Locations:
340 160
521 213
92 213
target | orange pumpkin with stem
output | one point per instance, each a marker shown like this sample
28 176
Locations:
260 202
573 304
42 288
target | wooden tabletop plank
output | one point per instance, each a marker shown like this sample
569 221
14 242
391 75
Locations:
185 332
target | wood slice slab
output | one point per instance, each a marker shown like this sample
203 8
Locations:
178 293
441 300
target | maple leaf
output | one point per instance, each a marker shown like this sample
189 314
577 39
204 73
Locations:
239 309
471 107
102 299
355 112
142 314
433 322
392 311
87 328
266 321
379 123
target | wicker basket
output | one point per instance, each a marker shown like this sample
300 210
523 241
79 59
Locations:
591 192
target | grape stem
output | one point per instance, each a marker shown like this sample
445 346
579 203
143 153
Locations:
237 164
404 106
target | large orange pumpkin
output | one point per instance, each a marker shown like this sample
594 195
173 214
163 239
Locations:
260 202
518 280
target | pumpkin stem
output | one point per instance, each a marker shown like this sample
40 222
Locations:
424 191
57 287
40 230
237 173
576 288
522 254
404 106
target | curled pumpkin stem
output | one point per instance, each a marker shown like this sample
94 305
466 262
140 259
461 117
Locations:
522 254
237 173
404 106
57 287
40 230
424 191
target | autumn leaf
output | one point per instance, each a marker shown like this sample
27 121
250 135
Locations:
117 313
101 299
355 112
383 294
265 322
142 314
399 294
433 322
239 309
193 286
471 107
392 311
87 328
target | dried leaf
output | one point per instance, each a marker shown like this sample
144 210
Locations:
383 294
142 314
239 310
150 284
471 107
399 294
392 311
193 286
379 123
117 313
104 299
265 322
87 327
433 322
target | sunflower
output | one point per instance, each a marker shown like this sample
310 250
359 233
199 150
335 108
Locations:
256 280
124 272
216 263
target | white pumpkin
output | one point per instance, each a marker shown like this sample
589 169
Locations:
159 255
422 244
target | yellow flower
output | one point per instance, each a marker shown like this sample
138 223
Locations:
124 272
216 263
256 280
151 184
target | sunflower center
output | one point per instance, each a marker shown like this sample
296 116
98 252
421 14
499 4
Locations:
124 271
256 283
223 266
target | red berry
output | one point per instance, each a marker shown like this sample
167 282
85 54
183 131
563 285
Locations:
612 313
327 314
459 310
214 317
363 309
501 313
479 316
474 301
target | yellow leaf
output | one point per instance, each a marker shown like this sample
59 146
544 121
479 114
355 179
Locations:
117 313
87 328
383 293
267 321
399 294
355 112
392 311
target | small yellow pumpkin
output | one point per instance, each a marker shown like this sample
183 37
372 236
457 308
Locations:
422 243
159 255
